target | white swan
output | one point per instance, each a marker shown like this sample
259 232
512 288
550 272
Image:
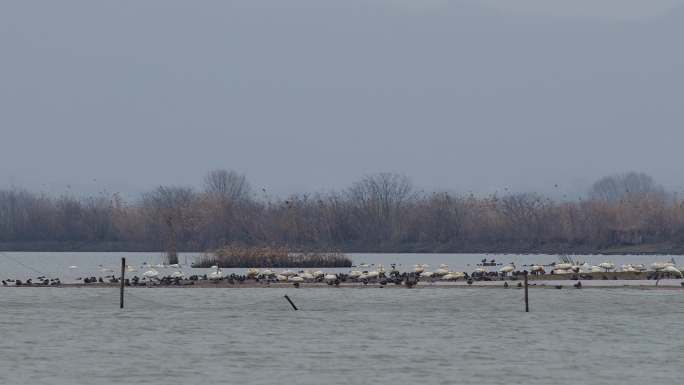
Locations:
639 267
672 269
252 272
657 266
453 275
330 277
607 266
633 268
216 274
152 273
507 269
563 266
628 268
442 271
307 276
354 274
372 274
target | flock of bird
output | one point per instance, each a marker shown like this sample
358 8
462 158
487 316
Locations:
363 273
443 273
569 267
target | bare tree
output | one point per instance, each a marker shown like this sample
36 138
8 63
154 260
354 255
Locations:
170 212
378 200
227 185
617 187
525 214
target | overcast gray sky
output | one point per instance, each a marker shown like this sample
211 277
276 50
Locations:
310 95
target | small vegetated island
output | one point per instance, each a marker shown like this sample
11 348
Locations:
235 256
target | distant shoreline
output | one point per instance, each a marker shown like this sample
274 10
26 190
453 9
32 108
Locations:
128 247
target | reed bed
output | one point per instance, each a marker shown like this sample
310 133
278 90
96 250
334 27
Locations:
233 256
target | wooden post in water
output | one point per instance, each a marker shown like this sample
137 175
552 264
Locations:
123 272
527 299
290 301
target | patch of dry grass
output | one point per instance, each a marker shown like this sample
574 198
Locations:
234 256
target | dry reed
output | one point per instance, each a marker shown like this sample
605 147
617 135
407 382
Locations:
234 256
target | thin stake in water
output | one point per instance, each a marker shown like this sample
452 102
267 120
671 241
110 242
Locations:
123 271
527 301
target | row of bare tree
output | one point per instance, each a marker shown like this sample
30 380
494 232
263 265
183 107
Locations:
381 212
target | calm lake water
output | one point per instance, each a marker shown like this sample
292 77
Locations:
384 336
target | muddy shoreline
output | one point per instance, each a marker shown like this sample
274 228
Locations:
612 280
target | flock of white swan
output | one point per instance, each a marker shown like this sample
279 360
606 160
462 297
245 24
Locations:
362 272
569 268
378 273
365 272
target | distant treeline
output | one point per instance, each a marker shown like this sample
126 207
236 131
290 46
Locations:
381 212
